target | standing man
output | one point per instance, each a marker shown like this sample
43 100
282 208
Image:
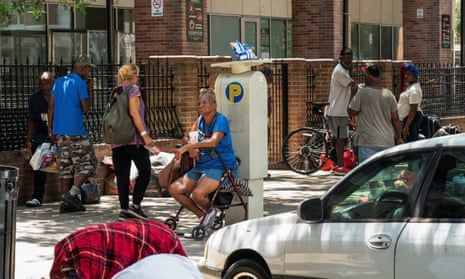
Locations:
342 86
37 132
409 104
68 104
378 125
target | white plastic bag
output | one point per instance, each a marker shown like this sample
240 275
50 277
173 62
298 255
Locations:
243 51
45 158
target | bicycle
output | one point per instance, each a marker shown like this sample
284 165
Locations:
305 150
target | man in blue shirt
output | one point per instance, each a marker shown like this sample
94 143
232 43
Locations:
68 104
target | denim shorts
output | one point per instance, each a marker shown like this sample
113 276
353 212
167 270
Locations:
196 173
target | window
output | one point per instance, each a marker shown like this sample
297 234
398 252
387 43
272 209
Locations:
23 46
446 197
272 38
223 30
278 38
374 41
380 190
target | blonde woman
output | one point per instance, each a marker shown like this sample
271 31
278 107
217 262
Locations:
123 154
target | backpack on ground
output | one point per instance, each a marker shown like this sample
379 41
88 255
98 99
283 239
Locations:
117 124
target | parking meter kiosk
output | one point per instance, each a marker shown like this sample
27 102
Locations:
242 97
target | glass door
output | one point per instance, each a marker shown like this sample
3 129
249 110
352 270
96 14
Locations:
250 33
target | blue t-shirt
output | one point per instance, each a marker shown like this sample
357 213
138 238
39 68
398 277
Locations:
208 158
68 117
38 111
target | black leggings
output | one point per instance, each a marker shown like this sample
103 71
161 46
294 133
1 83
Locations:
122 157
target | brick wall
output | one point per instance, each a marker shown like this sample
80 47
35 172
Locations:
422 36
166 35
316 28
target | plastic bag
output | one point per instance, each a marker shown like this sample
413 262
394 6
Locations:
90 193
243 51
45 158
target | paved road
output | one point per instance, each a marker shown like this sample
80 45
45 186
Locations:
39 229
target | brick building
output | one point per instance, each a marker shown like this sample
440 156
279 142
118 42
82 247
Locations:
418 30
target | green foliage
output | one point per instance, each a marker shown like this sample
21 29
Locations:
34 7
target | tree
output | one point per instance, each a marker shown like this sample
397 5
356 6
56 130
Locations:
34 7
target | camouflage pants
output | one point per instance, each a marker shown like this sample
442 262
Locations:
76 155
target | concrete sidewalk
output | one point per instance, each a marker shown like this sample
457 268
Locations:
39 229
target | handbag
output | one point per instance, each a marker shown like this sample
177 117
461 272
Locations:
173 170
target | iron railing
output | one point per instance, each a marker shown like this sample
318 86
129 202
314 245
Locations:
18 81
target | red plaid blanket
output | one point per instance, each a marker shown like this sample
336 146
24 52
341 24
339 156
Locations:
100 251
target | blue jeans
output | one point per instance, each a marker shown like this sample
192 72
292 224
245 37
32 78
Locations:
365 152
414 127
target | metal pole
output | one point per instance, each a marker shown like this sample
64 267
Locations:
345 24
462 33
110 31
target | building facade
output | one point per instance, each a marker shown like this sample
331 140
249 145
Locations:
419 30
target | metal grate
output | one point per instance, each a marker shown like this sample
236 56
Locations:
18 81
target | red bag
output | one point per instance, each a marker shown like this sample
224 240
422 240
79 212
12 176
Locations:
349 159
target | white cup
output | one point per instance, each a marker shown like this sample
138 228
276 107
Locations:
193 136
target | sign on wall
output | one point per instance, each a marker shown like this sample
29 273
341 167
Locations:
157 7
445 31
194 20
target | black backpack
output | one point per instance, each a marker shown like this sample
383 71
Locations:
117 124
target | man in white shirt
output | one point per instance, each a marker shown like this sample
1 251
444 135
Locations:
342 86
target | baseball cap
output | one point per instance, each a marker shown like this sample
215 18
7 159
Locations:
412 69
83 60
372 69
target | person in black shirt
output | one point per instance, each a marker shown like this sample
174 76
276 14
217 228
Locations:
37 132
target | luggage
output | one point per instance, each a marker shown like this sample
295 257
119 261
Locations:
429 125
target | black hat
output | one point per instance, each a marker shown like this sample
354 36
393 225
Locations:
372 69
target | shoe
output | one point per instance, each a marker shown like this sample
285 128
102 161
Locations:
188 235
137 212
340 171
33 203
124 215
65 208
209 218
73 201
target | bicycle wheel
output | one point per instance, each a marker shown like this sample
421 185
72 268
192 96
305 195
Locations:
303 149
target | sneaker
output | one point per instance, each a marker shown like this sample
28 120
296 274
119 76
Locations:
73 201
209 218
188 235
124 215
33 203
137 212
65 208
340 171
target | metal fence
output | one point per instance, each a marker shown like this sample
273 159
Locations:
18 81
443 89
443 93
